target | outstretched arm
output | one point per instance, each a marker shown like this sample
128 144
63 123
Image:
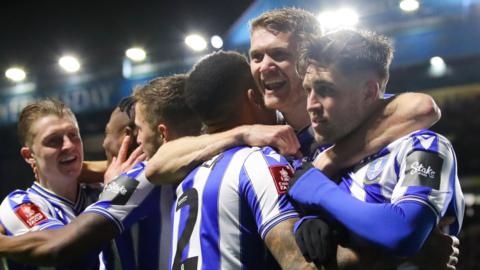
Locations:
67 244
394 118
400 229
173 160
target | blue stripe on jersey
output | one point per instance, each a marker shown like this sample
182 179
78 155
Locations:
137 170
209 226
251 245
346 183
374 193
425 140
248 193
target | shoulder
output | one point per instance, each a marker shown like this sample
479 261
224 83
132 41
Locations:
19 197
428 141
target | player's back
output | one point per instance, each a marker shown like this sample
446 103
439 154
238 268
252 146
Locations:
226 207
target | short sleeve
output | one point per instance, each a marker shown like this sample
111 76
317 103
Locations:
264 183
21 212
428 175
126 199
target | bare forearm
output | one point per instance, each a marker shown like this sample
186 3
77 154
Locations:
281 242
391 120
173 160
65 245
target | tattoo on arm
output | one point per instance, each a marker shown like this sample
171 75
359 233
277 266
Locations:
281 242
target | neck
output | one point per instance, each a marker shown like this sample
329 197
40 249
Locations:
65 188
297 119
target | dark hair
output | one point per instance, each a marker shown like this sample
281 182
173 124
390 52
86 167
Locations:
299 22
37 110
164 99
216 83
350 51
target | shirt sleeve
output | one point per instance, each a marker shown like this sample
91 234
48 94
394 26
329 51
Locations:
264 183
126 199
21 212
428 176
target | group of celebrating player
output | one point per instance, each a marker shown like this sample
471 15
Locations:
303 163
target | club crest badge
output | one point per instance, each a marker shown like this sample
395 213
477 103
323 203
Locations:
374 170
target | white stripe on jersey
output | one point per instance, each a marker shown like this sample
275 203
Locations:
257 170
230 235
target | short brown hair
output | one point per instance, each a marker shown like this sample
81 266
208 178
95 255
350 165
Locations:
164 100
299 22
350 51
37 110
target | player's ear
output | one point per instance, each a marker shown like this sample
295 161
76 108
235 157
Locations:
164 133
255 97
128 131
372 90
27 155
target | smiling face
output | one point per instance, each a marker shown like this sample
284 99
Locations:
272 62
336 104
56 149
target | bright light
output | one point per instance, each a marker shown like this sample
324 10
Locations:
69 63
136 54
437 61
438 67
345 17
216 42
15 74
409 5
196 42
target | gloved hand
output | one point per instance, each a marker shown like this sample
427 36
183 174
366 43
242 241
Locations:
315 240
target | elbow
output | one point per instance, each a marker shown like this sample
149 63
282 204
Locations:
428 110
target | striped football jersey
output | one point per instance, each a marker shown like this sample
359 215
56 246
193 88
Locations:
226 207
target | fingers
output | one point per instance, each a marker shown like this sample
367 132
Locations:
286 141
134 155
139 159
456 241
123 151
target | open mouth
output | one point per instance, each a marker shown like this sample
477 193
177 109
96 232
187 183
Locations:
68 160
274 85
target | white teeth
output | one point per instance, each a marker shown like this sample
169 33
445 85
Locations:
67 159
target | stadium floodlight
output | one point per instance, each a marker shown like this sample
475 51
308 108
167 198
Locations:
216 42
69 63
15 74
334 19
136 54
196 42
438 67
409 5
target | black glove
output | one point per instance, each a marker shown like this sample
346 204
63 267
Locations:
316 241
